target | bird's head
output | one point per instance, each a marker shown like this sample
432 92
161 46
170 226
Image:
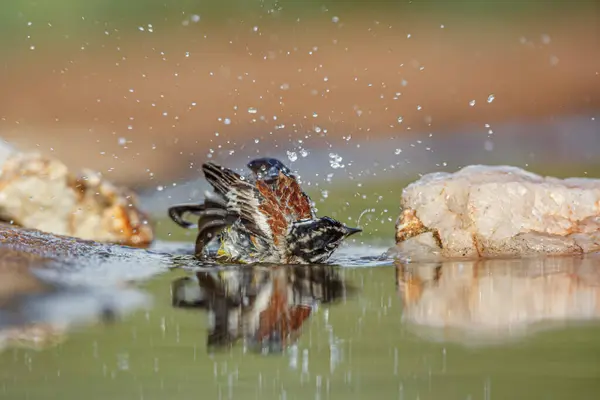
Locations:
315 240
268 168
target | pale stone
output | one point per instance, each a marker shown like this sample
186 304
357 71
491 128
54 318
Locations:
484 211
40 193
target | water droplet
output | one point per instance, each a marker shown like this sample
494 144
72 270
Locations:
122 141
491 98
324 193
419 108
195 18
335 161
546 39
304 152
123 362
400 119
227 121
398 151
160 188
318 129
472 103
284 86
335 19
252 110
292 156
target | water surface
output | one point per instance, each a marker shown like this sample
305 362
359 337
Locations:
367 327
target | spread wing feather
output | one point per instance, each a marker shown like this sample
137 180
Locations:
220 178
292 199
244 200
276 214
265 209
259 214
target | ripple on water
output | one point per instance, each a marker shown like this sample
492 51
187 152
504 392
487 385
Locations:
181 255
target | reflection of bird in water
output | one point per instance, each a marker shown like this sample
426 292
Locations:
266 307
262 217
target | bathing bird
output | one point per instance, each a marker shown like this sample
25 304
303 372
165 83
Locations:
262 217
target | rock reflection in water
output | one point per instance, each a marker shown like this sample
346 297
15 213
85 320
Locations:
483 301
38 305
265 307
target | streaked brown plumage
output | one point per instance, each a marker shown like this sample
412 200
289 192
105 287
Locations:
262 217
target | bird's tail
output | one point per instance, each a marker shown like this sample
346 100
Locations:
212 200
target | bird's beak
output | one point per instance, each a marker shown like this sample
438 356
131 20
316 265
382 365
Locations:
352 231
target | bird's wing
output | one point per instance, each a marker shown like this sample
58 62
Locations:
265 210
292 200
259 211
221 178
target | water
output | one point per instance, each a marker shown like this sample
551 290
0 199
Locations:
368 327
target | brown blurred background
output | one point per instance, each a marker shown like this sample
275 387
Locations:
145 91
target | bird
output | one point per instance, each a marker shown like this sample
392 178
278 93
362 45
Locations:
262 217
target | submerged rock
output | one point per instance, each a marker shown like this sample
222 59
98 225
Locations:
41 193
484 211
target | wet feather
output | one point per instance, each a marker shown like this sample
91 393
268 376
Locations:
263 217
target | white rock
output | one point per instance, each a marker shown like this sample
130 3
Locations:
41 193
6 150
483 211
